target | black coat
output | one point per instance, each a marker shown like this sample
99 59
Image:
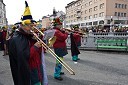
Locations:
74 48
1 42
19 53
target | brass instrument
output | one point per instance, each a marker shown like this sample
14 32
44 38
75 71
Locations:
70 30
51 41
52 52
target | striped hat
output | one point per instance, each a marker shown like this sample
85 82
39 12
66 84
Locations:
27 17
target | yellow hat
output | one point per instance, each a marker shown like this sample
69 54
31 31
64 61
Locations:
13 27
27 17
4 27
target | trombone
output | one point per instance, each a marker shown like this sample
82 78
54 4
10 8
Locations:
52 52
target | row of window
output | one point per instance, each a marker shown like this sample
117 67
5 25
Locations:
89 17
96 8
90 10
95 15
101 15
120 14
123 6
86 4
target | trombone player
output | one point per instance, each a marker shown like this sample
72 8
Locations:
59 47
25 54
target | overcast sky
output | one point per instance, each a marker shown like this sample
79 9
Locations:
39 8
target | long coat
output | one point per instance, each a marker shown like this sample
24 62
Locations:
25 60
74 48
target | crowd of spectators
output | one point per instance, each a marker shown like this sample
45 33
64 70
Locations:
105 30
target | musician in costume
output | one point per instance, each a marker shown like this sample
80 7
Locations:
75 43
12 31
59 46
4 35
25 54
1 40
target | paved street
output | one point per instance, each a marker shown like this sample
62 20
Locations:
94 68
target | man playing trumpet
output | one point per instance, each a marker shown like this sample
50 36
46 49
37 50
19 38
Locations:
59 47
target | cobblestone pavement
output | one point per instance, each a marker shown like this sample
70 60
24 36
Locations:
94 68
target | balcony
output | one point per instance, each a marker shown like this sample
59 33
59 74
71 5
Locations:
78 16
78 10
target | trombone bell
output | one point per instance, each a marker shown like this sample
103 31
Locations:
51 41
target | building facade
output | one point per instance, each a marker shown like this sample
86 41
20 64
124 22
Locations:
97 12
3 19
46 20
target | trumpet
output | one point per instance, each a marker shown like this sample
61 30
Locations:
69 69
73 31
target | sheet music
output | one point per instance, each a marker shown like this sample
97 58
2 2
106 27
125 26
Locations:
49 34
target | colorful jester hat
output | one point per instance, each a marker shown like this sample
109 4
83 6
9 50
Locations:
57 21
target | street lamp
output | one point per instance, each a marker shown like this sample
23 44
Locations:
111 23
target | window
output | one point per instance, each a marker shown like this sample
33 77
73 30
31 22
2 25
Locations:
101 14
90 17
95 15
95 23
125 6
119 5
90 23
118 13
85 11
116 5
95 8
82 7
90 3
124 14
115 13
101 5
71 16
90 10
122 6
86 4
85 18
